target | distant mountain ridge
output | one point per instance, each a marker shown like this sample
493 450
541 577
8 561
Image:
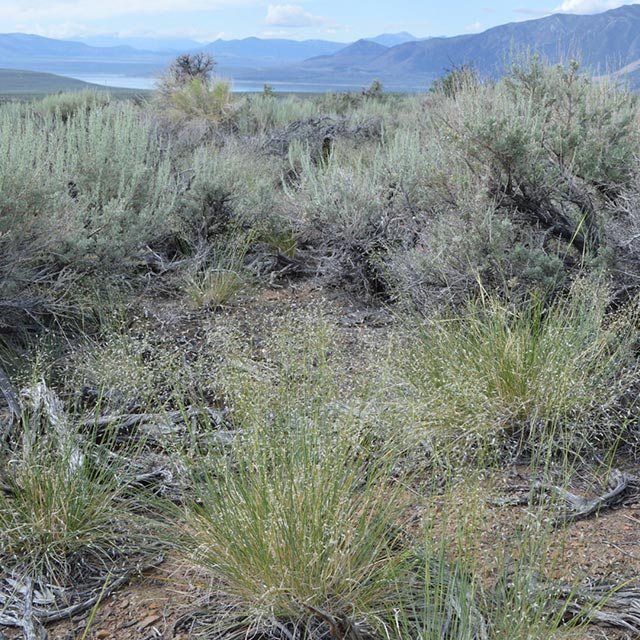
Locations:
607 42
175 45
393 39
353 55
20 44
261 52
37 53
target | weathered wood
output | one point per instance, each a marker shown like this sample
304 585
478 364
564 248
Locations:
619 483
157 427
30 625
9 393
606 604
47 406
13 404
341 627
620 486
41 615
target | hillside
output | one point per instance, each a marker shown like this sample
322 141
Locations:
357 54
36 53
393 39
261 52
608 42
15 81
335 367
605 41
148 44
17 45
20 83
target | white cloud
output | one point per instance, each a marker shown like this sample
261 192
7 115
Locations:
21 11
587 6
474 27
291 16
59 30
534 13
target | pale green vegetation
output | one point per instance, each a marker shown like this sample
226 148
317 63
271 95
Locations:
66 503
503 371
329 485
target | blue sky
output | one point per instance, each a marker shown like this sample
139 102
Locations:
341 20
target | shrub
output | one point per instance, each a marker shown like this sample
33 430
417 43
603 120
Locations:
189 90
66 105
190 66
457 79
196 99
230 188
523 184
345 211
264 114
89 191
552 144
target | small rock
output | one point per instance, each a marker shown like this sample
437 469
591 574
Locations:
102 634
148 621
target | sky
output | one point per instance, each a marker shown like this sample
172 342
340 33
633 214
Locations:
339 20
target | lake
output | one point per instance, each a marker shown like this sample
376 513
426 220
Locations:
148 82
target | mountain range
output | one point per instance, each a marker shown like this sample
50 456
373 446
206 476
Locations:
607 42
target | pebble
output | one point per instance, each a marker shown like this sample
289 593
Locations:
148 621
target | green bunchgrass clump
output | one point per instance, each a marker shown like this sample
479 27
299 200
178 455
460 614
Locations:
214 279
307 519
497 568
295 517
293 520
64 510
212 288
531 370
